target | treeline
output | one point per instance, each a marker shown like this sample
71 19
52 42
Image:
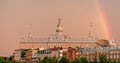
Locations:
6 60
102 59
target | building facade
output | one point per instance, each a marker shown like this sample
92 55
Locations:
92 54
59 39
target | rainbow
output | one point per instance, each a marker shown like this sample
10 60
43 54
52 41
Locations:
103 20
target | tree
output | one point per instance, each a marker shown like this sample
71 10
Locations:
76 61
49 60
6 60
2 60
84 60
102 59
52 60
45 60
64 60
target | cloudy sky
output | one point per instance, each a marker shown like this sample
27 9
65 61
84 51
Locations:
19 17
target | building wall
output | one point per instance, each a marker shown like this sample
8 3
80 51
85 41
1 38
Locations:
29 45
17 55
91 55
71 53
29 55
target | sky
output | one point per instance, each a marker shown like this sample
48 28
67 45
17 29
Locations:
40 17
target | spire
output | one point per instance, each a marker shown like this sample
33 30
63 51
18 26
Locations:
30 35
59 29
90 33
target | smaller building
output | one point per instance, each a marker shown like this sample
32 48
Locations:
71 54
32 54
44 53
19 54
93 53
28 54
67 52
54 52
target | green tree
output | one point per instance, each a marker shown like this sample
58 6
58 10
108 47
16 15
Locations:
6 60
2 60
76 61
64 60
84 60
52 60
45 60
49 60
103 59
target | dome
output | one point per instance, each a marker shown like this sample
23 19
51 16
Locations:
103 42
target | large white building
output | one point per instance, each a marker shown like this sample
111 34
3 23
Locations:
57 40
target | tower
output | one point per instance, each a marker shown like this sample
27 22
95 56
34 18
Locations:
59 29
